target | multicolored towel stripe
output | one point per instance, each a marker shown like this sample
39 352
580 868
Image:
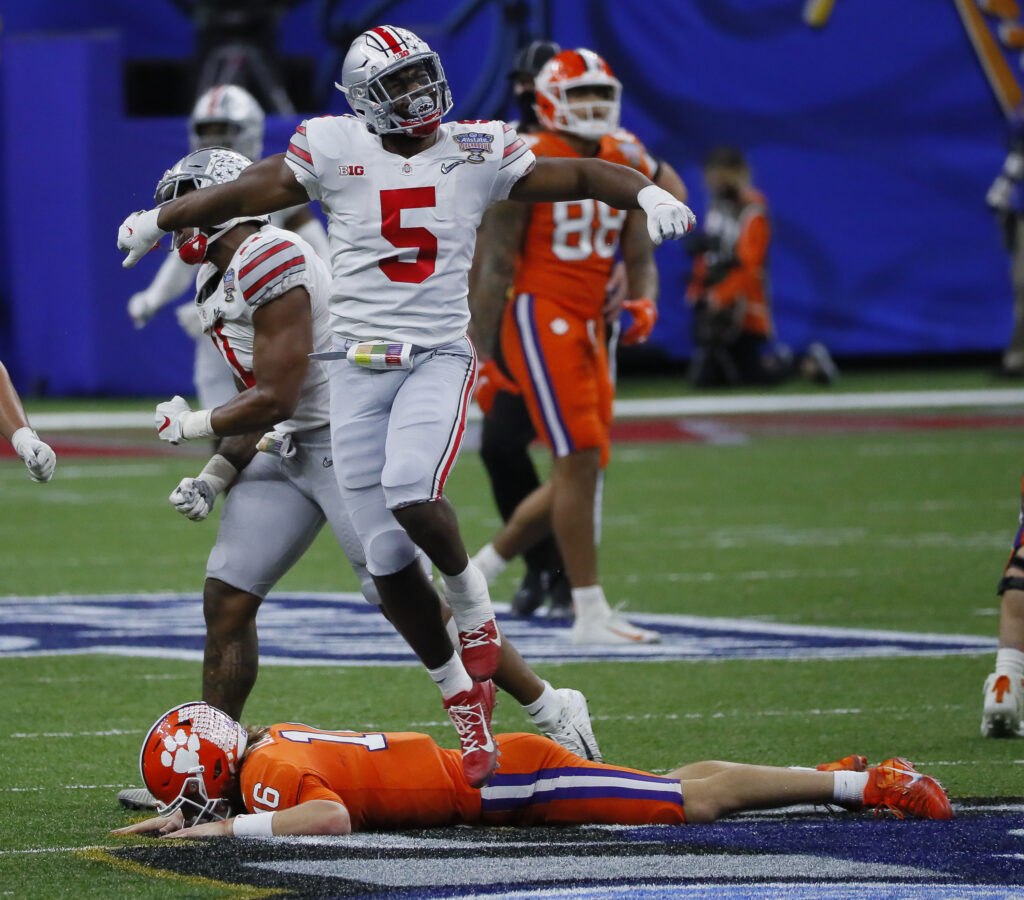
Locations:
381 356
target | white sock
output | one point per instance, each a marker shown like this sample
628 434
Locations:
589 601
467 595
490 562
1010 662
848 788
453 635
452 677
544 712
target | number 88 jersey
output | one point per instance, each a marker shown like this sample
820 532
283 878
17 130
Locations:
570 246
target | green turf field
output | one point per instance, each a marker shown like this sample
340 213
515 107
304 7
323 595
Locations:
902 530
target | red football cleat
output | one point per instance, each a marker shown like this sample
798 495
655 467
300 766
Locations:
852 763
481 648
470 713
895 785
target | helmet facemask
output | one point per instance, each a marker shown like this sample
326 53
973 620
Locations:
591 116
212 165
392 104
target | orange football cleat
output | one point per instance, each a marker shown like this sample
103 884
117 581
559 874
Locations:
851 763
895 785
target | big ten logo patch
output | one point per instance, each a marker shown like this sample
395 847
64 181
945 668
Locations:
351 170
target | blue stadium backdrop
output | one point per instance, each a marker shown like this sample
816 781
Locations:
874 138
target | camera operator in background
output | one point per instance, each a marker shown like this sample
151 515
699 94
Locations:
730 292
1006 199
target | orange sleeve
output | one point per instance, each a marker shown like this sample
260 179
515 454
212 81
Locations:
751 253
313 787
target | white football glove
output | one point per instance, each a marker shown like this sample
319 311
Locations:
193 498
175 421
142 307
667 217
36 454
139 234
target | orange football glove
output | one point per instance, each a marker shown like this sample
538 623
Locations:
489 380
644 314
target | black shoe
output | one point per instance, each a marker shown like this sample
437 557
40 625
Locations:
530 594
559 593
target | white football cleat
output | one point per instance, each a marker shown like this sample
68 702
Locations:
1003 712
610 628
573 729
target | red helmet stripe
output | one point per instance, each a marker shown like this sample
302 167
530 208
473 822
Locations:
214 95
389 38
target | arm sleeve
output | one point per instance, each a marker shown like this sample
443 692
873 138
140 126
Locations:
299 158
172 280
516 161
271 266
313 787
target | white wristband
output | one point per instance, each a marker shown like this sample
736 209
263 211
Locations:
196 424
652 195
218 473
256 825
20 436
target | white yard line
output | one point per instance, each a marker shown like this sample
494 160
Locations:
658 407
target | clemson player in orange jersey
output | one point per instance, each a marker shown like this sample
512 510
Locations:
203 766
556 258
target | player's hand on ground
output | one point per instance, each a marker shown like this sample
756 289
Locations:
36 454
645 315
206 829
489 380
138 234
667 217
157 826
193 498
168 418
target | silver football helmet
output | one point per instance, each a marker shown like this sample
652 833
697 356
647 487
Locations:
227 116
202 168
389 104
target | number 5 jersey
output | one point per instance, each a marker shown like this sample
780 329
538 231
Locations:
402 230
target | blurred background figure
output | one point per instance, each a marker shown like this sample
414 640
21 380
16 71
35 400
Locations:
14 425
224 116
527 63
733 330
1006 199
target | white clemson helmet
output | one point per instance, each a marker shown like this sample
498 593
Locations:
202 168
579 72
190 759
372 82
227 116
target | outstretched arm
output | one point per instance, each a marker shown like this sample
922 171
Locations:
264 187
37 455
311 817
619 186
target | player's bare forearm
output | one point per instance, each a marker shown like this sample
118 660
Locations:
264 187
281 346
490 278
239 449
577 179
12 414
669 180
638 256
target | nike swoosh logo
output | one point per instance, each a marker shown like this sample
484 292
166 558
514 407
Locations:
130 229
628 637
584 744
167 422
448 166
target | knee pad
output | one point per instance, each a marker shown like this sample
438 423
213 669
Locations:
1012 582
388 551
407 479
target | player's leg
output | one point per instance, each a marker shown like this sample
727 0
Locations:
504 449
1003 704
361 412
424 436
266 525
893 785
